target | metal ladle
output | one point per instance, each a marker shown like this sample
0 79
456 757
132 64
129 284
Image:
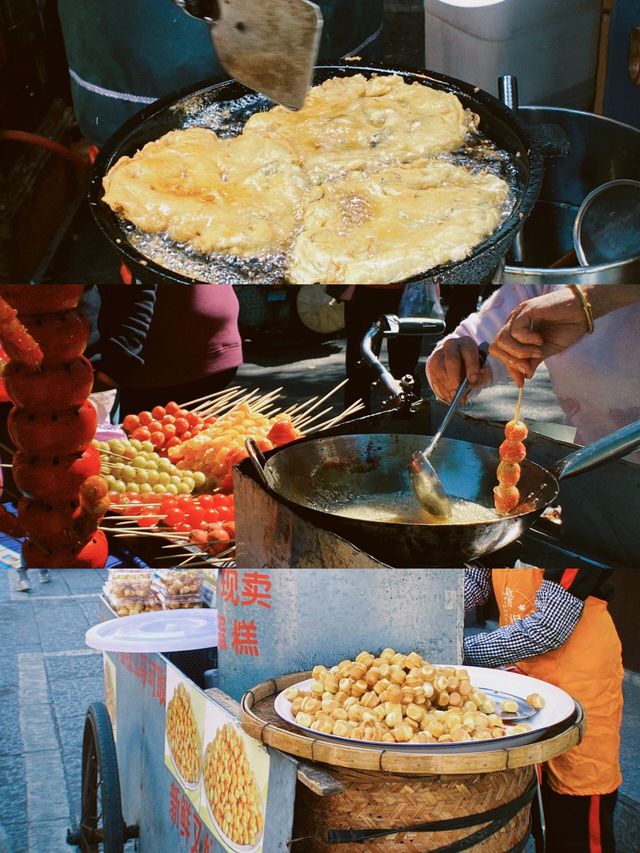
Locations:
607 225
425 482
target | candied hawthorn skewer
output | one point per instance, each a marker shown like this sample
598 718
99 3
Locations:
512 451
52 425
16 340
94 503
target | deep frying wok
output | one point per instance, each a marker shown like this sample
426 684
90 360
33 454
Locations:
316 475
497 122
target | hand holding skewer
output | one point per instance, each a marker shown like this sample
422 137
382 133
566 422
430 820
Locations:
540 328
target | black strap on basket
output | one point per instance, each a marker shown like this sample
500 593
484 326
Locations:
496 819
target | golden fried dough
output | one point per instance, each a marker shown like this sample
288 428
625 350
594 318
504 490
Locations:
349 122
347 188
236 196
388 225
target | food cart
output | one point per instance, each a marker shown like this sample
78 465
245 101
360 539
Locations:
160 752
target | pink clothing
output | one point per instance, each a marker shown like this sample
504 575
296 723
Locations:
194 333
596 381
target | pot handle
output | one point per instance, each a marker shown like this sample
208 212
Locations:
606 449
551 140
259 463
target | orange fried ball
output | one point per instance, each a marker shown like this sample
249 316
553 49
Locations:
512 451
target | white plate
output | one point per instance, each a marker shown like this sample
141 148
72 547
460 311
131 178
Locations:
238 848
158 631
190 786
558 708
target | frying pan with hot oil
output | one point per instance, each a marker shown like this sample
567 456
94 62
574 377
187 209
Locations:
324 478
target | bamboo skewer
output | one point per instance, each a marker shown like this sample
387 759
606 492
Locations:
128 534
272 413
220 402
326 396
303 422
516 417
235 401
213 396
298 408
352 409
122 518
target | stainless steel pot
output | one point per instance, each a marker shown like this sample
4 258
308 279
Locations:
601 150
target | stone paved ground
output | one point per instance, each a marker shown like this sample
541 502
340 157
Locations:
312 366
47 679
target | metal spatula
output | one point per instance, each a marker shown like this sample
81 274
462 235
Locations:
271 46
426 483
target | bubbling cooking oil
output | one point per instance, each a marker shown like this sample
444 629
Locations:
402 508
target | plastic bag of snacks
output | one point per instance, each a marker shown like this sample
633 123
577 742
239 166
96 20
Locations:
131 605
174 582
130 583
178 588
209 586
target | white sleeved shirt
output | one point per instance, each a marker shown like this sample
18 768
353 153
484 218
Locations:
596 381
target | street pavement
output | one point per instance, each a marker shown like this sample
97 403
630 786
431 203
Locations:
48 678
312 366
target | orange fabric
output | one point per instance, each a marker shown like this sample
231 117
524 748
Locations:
568 577
595 845
589 667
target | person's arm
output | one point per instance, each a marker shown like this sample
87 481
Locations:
558 607
124 320
547 325
477 587
457 354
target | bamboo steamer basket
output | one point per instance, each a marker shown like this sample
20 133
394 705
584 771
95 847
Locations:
381 801
400 787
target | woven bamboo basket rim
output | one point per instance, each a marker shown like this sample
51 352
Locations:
260 720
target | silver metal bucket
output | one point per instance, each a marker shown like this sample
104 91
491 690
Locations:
601 150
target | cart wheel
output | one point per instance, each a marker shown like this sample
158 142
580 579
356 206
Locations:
102 827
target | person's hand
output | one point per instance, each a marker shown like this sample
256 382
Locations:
538 329
448 366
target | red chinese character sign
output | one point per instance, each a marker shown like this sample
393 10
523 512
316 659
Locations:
246 594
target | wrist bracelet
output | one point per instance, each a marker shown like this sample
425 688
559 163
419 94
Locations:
586 307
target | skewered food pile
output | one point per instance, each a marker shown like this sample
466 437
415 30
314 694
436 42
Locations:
397 698
52 424
506 494
359 186
180 487
221 445
134 467
231 787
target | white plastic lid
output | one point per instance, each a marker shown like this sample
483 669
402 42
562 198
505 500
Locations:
159 631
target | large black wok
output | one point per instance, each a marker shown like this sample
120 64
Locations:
497 122
318 477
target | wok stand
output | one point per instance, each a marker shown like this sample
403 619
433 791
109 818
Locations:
599 522
400 392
